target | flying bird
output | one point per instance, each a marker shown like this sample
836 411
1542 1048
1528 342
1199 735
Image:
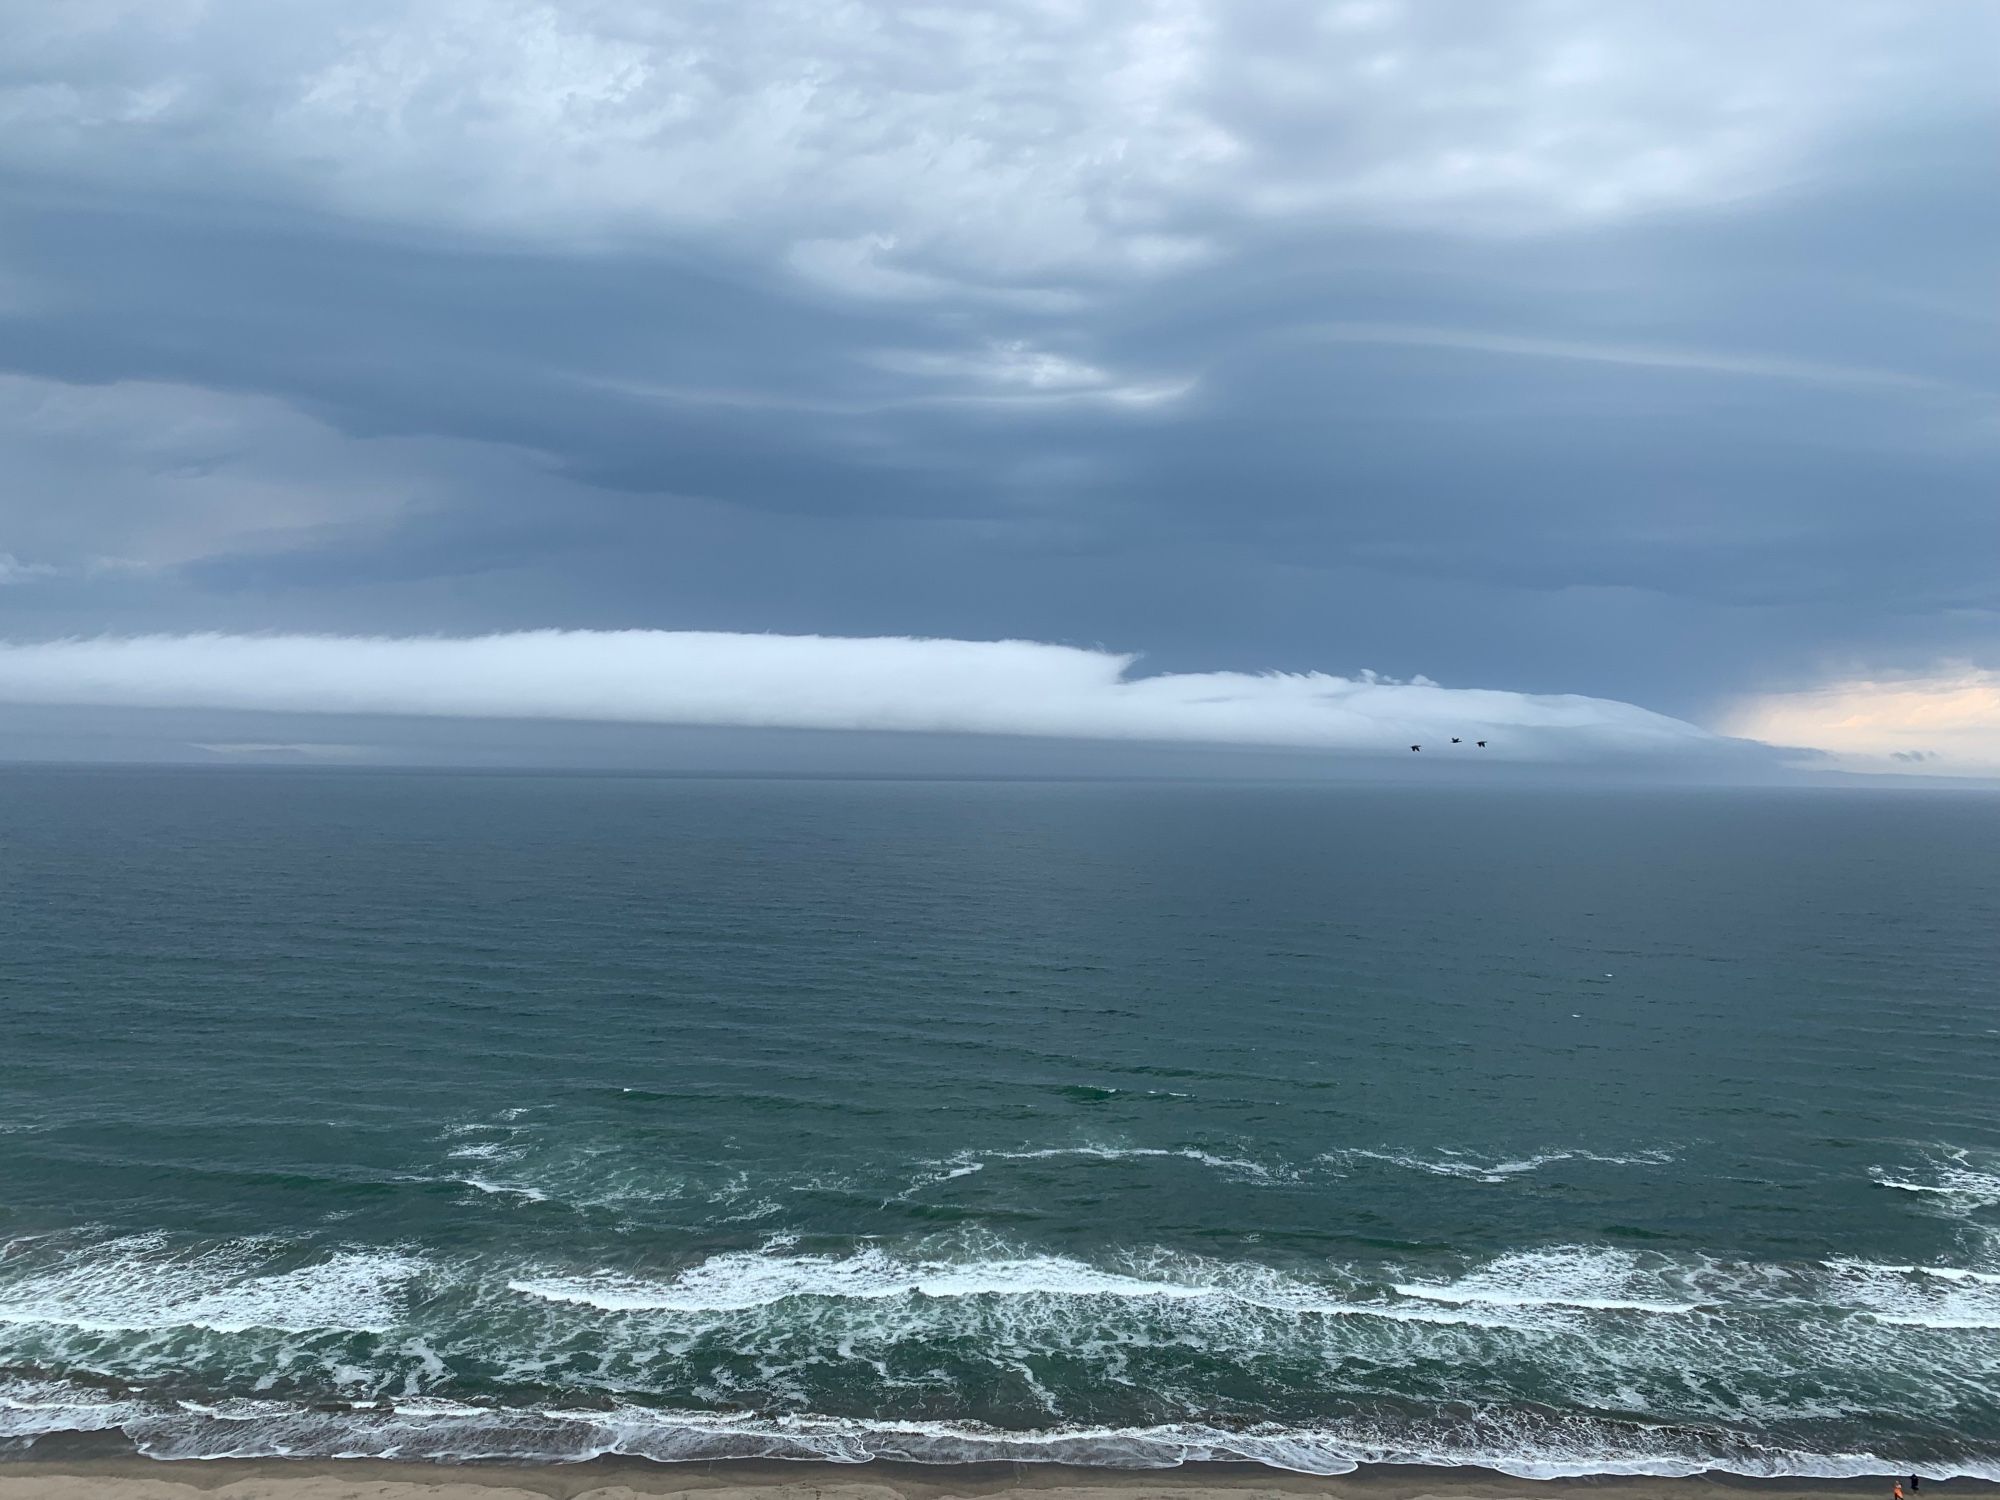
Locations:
1416 747
1480 743
1454 739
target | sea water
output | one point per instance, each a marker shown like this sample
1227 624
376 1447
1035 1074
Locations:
456 1116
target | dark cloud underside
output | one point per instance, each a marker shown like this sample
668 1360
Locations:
1551 349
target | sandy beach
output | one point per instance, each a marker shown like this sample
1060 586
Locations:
621 1479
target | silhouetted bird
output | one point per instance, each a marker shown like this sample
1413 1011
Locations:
1416 747
1480 743
1454 739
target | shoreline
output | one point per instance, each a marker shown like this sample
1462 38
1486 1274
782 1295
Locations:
130 1477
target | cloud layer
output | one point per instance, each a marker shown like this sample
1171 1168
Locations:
898 151
1575 344
820 682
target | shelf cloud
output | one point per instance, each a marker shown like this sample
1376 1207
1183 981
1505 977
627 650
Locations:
1584 344
1007 687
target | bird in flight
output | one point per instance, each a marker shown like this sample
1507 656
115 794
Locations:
1480 743
1454 739
1416 747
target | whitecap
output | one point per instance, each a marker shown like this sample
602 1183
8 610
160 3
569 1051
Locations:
1491 1170
138 1283
1942 1273
1460 1297
738 1280
1232 1164
486 1151
1912 1296
1949 1175
1578 1277
503 1189
741 1281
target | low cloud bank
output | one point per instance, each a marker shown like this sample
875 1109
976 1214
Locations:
825 682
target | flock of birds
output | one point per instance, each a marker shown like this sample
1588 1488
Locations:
1455 740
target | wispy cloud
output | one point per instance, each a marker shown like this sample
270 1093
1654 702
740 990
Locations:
988 393
1706 361
14 570
824 682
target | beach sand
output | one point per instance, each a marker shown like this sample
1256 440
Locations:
623 1479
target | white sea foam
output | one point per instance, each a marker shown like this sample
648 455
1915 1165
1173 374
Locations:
1942 1273
1979 1188
503 1189
533 1170
932 1173
1232 1164
139 1283
739 1280
1950 1175
32 1408
1587 1279
965 1163
1461 1296
1616 1332
427 1428
1940 1321
486 1151
1537 1291
1954 1273
1910 1296
1493 1170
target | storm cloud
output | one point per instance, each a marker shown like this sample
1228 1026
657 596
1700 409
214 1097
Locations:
1603 349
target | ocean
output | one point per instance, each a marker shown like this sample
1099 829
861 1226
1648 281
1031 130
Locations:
538 1117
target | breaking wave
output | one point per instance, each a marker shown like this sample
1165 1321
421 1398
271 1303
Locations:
1567 1359
1949 1178
452 1431
140 1284
1588 1280
1490 1169
1943 1297
532 1162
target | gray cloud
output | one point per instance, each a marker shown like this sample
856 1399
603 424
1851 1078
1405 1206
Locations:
1561 346
819 682
892 150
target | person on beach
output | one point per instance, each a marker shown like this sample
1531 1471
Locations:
1915 1484
1898 1490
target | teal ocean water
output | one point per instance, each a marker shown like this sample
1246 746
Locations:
487 1116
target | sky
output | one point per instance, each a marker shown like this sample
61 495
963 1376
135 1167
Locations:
409 379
